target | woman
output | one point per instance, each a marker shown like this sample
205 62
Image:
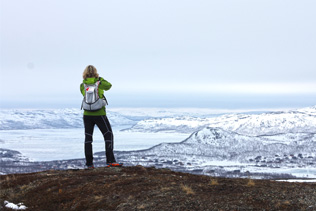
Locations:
96 117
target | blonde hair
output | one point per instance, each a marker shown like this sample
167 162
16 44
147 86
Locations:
90 72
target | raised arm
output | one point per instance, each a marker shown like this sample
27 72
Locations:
104 84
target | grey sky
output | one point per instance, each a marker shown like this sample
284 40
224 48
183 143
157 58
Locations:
231 46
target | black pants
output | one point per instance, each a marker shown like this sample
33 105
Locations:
104 125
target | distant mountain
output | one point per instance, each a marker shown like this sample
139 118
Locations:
23 119
11 119
271 123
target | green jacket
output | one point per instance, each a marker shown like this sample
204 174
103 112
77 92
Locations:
103 86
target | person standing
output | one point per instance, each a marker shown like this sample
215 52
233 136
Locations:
92 89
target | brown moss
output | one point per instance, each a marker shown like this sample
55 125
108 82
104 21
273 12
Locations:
187 189
214 182
251 183
139 188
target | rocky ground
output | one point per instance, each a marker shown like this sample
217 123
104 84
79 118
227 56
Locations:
139 188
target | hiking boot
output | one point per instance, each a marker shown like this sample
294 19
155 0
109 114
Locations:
90 167
115 164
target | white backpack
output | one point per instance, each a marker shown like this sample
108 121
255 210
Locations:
91 100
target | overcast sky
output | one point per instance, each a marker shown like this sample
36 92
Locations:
151 48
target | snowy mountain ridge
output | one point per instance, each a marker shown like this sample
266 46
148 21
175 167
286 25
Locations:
300 120
12 119
271 123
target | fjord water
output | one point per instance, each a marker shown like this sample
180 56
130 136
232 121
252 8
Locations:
61 144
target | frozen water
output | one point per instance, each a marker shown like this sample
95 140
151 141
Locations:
59 144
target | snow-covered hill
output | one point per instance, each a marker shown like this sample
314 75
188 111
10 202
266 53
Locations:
218 144
214 150
272 123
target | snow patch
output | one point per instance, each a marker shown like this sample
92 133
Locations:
19 206
298 180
